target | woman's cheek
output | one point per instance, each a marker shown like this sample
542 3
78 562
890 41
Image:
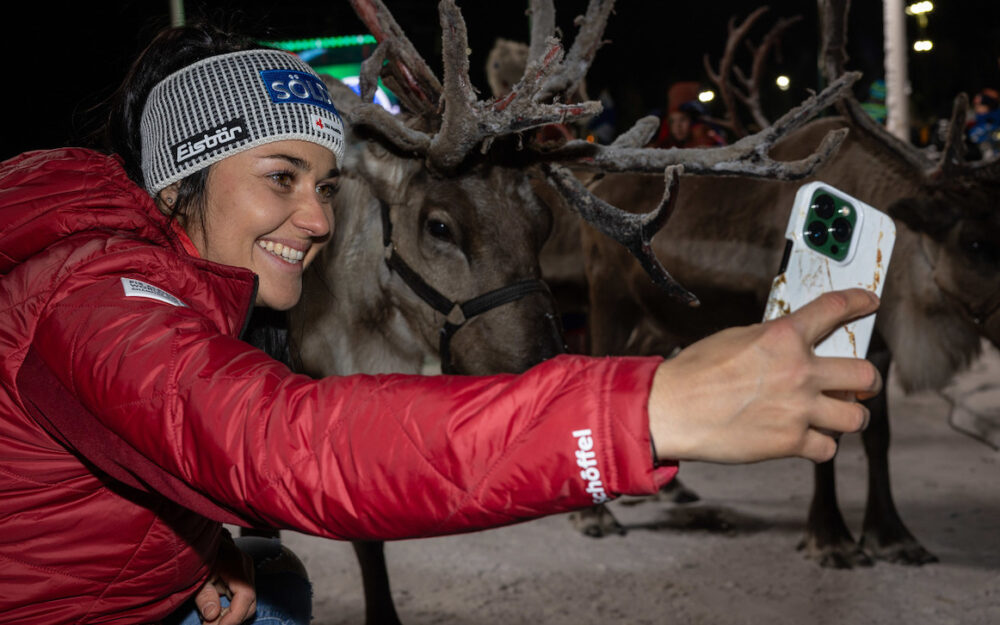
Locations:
315 249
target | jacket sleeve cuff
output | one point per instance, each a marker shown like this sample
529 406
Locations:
637 472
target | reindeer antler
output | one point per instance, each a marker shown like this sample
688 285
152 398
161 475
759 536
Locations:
721 77
581 54
749 95
633 230
951 167
543 27
466 121
953 155
406 74
747 157
833 56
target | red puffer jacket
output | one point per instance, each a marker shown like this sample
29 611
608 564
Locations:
133 420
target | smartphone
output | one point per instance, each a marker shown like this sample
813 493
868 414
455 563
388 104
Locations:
833 241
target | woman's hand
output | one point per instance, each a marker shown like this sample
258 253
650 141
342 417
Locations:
758 392
232 577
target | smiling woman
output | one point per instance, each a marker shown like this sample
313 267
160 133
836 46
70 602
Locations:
267 210
267 162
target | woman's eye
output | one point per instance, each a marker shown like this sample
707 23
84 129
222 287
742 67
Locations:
439 230
327 191
283 178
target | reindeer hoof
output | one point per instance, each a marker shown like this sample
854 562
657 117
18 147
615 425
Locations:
676 492
596 522
673 491
908 552
839 555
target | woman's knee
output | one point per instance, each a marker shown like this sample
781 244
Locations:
271 557
284 593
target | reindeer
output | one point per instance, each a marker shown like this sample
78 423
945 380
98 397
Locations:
725 242
440 217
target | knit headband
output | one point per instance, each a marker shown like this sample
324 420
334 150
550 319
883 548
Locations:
229 103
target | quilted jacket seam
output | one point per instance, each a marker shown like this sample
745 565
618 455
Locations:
488 472
279 478
17 476
47 569
125 567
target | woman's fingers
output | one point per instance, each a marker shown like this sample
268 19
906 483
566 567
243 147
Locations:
238 574
242 606
207 602
824 314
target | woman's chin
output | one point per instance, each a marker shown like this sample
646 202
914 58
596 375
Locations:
278 301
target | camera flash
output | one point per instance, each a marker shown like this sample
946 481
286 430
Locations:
845 211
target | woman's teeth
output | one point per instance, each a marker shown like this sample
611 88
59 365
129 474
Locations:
286 253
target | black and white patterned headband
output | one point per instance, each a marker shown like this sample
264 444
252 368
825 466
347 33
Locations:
229 103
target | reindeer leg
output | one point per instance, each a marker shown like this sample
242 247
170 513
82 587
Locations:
610 324
883 534
677 492
596 522
827 539
379 608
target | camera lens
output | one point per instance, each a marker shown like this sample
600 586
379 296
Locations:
841 229
816 233
823 205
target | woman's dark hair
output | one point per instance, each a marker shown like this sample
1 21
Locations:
172 49
267 330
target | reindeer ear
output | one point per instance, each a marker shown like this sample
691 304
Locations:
390 176
547 194
931 217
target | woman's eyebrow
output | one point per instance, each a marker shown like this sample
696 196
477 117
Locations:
302 164
294 161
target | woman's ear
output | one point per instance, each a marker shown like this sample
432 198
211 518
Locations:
166 200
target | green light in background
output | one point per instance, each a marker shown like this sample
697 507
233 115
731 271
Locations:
340 72
296 45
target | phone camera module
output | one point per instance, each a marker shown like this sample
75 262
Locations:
841 229
816 232
828 225
823 206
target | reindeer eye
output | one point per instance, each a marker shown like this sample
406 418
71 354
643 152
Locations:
984 251
439 230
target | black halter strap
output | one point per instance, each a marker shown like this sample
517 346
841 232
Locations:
456 313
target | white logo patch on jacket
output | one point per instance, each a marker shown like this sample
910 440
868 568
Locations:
586 459
138 288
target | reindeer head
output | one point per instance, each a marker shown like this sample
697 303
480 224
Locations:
505 65
959 224
953 205
467 248
462 229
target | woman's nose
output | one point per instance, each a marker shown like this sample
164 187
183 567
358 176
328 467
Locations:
314 215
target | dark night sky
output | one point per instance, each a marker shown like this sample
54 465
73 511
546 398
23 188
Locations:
78 53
